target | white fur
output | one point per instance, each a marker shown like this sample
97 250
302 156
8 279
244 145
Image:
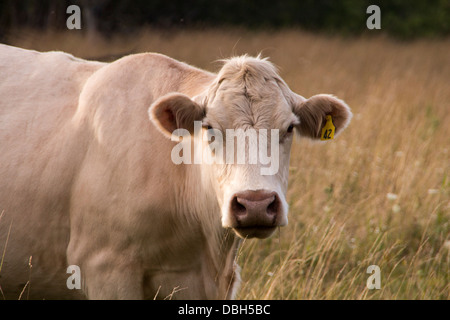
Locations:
86 177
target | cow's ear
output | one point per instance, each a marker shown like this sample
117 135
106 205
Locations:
175 111
313 113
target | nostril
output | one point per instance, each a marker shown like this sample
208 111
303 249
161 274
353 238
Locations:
237 207
273 207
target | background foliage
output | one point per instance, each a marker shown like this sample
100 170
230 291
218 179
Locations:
403 19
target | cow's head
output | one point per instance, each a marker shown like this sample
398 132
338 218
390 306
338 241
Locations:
250 105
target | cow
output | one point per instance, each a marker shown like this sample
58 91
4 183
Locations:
89 188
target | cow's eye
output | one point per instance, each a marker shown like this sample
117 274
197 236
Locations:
290 128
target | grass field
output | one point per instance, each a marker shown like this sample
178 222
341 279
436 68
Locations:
377 195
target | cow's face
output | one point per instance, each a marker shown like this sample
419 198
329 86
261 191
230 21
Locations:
243 127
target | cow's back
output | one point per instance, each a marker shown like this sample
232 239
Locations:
38 158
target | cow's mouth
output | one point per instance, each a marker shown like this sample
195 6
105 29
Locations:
260 232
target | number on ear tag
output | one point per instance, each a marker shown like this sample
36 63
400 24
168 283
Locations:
328 129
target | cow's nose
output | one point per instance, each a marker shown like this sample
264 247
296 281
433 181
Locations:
256 210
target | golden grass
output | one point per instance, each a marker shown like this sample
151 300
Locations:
341 219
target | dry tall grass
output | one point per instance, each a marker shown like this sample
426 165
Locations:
341 217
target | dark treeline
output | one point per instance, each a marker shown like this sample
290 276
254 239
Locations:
401 18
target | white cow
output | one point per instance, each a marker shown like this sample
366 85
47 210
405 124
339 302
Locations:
87 179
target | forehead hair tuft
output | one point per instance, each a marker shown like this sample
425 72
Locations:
241 68
254 78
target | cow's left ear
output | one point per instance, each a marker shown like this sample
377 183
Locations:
312 114
175 111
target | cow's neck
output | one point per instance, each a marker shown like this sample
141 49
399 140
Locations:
201 206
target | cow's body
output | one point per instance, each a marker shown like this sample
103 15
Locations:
85 180
86 177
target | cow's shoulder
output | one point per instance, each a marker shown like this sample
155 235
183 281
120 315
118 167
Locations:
153 72
160 61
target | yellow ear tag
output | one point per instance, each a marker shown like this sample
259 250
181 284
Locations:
328 129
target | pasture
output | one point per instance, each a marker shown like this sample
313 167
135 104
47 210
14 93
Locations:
379 194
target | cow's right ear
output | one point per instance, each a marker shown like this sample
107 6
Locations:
175 111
